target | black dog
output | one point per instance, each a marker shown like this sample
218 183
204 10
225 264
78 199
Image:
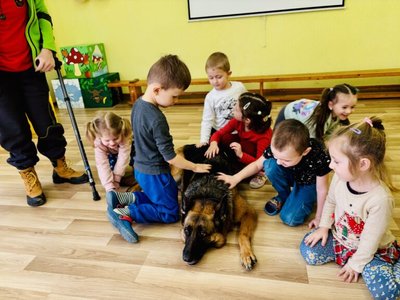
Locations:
210 209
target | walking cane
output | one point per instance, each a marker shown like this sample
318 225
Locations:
67 100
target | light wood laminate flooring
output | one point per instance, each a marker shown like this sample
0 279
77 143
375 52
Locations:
67 249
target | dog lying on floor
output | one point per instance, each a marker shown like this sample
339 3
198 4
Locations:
210 209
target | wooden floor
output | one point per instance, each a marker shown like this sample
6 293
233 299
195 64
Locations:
67 249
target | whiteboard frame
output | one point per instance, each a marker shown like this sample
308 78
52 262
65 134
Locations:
201 10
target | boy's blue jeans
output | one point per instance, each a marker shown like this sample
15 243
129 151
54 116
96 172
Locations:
382 278
298 199
158 203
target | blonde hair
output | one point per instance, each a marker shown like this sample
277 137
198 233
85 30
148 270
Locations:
110 122
218 60
365 139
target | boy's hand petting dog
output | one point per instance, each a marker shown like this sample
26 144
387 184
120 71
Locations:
228 179
202 168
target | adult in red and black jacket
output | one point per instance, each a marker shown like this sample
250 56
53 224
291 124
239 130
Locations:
26 53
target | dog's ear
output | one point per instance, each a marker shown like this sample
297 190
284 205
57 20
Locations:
228 162
187 177
187 204
194 154
220 213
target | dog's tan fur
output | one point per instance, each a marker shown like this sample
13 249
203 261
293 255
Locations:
206 218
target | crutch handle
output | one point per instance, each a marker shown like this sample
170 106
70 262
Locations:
57 62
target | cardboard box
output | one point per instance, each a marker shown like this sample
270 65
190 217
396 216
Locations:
84 61
96 93
88 92
74 93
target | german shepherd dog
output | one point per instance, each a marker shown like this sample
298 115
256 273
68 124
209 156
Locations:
210 209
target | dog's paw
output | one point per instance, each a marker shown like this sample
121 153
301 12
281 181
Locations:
248 260
217 239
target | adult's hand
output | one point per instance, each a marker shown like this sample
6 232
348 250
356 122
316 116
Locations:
44 61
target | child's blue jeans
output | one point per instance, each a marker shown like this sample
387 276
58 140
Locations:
158 203
298 199
382 278
112 159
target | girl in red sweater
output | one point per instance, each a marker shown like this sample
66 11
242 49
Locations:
248 133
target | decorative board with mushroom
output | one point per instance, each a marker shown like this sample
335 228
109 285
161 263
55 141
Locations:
84 61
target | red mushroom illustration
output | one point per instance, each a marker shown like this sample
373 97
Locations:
74 57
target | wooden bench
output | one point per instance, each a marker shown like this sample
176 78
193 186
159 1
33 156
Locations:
135 86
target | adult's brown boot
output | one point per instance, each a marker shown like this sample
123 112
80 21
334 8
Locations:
33 188
62 173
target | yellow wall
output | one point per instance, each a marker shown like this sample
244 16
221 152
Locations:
364 35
